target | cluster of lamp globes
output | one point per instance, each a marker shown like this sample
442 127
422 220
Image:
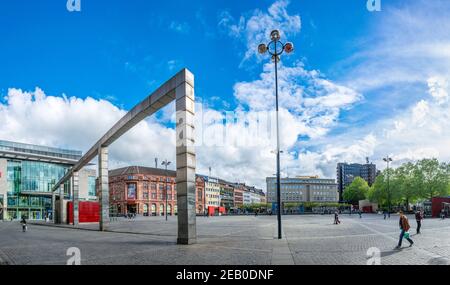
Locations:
275 37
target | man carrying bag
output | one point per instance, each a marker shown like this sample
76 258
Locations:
404 230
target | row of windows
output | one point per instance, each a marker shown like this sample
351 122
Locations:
317 198
27 201
31 176
145 196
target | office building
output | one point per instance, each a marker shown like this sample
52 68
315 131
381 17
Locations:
302 189
346 173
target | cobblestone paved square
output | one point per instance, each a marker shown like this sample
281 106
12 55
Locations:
236 240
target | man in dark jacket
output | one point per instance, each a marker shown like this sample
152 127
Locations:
404 228
23 222
419 219
336 218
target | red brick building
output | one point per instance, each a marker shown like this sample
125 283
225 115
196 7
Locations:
141 190
238 195
200 194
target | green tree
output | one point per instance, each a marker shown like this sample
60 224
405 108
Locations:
356 191
378 192
386 189
432 177
405 178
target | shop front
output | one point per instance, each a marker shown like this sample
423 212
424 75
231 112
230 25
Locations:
28 206
132 208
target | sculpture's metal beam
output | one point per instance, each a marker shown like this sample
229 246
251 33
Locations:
154 102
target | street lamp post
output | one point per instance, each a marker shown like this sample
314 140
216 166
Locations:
166 163
275 48
388 159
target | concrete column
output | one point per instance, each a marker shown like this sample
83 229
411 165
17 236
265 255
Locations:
53 206
103 187
4 187
76 198
187 232
61 204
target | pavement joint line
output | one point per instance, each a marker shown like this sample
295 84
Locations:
415 247
281 252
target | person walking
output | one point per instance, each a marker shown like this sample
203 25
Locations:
404 230
419 219
23 222
443 214
385 214
336 218
360 214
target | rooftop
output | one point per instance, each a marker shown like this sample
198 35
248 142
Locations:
133 170
25 151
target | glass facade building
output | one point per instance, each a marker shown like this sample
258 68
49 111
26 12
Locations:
29 188
31 172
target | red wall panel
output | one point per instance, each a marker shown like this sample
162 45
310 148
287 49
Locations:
436 206
89 212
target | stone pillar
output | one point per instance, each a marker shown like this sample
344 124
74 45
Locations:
103 195
61 204
53 206
185 112
76 198
4 187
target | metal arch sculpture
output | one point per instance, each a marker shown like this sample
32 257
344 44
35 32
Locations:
179 88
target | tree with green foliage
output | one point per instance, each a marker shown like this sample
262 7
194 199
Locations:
356 191
378 192
433 178
407 183
411 182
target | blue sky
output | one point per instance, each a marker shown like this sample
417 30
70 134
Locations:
123 50
357 85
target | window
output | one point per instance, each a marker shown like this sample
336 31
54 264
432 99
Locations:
131 194
91 186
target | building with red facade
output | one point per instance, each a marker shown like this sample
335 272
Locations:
238 195
141 190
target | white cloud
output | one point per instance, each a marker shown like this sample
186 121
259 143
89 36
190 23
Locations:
417 132
408 43
314 101
256 28
33 117
180 27
438 88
